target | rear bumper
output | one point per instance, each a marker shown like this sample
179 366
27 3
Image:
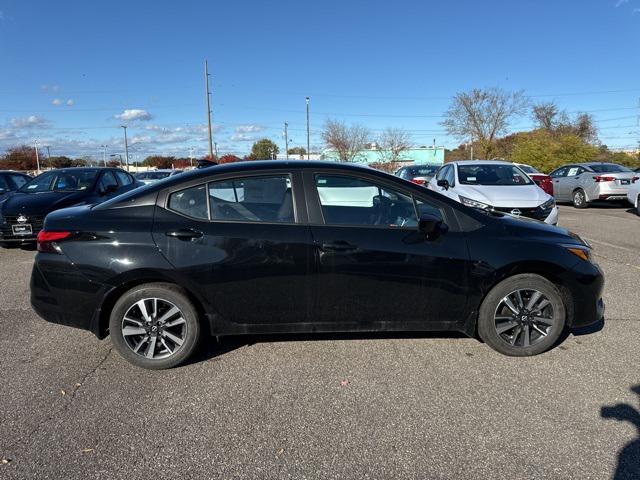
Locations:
61 294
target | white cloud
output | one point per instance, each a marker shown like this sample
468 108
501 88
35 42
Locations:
242 137
56 102
249 128
70 103
621 2
134 114
32 121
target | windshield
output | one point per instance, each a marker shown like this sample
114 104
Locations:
152 175
61 181
426 170
608 168
492 174
528 169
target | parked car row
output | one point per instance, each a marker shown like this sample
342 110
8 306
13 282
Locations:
492 185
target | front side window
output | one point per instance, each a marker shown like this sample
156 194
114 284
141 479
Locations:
450 176
492 174
442 172
4 186
191 202
349 200
19 180
252 199
573 171
560 172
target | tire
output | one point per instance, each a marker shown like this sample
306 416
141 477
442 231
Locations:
164 339
579 199
638 206
494 315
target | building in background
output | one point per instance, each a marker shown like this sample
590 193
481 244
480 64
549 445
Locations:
415 155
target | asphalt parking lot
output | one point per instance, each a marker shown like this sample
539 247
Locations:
341 406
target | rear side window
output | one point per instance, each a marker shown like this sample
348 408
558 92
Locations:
191 202
107 180
252 199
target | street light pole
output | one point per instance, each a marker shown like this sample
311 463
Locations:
206 83
308 136
37 157
191 156
286 141
126 148
104 155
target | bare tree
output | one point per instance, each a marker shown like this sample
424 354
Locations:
482 115
550 118
545 115
392 142
346 140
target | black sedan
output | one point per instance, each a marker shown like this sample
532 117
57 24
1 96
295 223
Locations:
11 181
275 247
22 213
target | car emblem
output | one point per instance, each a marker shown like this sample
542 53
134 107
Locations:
516 212
22 219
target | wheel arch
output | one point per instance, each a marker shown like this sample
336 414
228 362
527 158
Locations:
547 270
135 279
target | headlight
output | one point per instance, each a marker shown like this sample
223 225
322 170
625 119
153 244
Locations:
469 202
551 203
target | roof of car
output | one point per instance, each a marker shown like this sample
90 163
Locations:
481 162
162 170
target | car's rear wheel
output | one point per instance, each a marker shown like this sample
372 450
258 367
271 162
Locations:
580 199
155 326
638 206
523 315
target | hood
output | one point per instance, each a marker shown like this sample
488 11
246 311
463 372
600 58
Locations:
526 196
536 230
39 203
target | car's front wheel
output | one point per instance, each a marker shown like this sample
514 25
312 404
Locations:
523 315
155 326
638 206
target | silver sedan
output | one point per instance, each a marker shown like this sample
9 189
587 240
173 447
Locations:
583 183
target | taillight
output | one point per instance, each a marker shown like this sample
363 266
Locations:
47 240
419 180
600 178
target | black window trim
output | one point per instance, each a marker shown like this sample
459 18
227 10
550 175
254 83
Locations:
292 174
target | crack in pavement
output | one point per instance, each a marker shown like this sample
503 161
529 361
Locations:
42 425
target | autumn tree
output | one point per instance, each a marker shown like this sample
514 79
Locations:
481 116
20 158
346 140
159 161
229 159
392 142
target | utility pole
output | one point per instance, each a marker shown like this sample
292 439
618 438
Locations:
191 156
206 83
126 148
286 140
37 157
308 136
215 148
48 154
104 155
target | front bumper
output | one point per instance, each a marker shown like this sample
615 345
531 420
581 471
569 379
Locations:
552 219
584 284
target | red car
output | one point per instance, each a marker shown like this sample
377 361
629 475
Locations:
542 180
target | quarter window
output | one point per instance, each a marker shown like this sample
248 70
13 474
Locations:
123 177
354 201
252 199
191 202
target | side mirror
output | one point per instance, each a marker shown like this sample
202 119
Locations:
443 183
431 226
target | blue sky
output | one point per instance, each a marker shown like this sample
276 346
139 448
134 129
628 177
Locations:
71 72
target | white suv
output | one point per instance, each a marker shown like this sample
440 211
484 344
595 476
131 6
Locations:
497 186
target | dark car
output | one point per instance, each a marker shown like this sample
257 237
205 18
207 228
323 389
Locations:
418 174
11 181
280 247
22 213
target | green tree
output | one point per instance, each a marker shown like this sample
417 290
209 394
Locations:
263 149
546 151
159 161
298 151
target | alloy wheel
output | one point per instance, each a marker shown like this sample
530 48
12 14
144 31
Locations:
154 328
524 317
578 198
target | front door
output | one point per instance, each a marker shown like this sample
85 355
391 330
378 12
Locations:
240 243
376 271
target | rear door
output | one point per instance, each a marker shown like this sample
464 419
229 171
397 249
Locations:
375 271
242 241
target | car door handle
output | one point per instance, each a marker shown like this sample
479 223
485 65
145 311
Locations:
339 246
184 234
